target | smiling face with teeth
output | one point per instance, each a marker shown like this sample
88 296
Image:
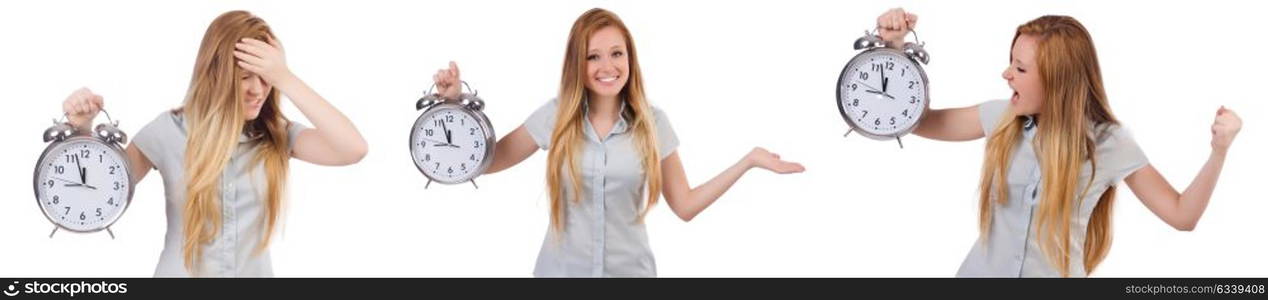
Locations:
607 63
1023 77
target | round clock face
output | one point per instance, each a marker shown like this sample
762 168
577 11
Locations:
882 93
449 144
82 184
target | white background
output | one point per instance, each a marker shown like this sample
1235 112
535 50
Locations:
730 74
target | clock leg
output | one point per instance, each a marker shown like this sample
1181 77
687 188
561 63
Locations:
111 232
50 234
847 133
900 142
428 183
473 183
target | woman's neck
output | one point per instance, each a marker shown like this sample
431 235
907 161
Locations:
603 108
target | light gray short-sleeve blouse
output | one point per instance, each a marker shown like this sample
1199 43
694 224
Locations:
231 253
601 236
1012 250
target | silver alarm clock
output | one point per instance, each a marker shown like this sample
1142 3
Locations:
883 93
451 141
83 183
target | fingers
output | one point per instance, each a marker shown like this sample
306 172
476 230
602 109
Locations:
275 43
256 69
453 68
248 57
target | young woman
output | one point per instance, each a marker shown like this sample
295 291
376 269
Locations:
610 156
1054 154
223 154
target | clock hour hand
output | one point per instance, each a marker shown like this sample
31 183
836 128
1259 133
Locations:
884 82
82 178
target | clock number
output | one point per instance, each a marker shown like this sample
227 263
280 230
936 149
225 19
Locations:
449 118
112 169
116 185
427 157
904 112
876 67
854 87
477 144
864 114
429 132
472 131
82 216
85 153
50 183
67 210
889 65
464 166
878 121
110 201
855 102
100 159
55 199
863 75
913 100
98 212
70 158
891 120
450 170
911 84
473 157
59 169
903 73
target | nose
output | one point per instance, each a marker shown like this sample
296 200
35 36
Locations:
254 86
1008 74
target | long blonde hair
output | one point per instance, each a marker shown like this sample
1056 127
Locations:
1075 105
568 135
214 110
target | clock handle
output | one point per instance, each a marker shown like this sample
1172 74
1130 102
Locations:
110 131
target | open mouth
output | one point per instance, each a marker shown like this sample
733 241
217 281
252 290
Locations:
609 79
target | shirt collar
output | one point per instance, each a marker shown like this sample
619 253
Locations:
621 123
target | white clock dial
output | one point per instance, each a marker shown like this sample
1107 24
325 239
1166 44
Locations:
882 93
449 145
82 184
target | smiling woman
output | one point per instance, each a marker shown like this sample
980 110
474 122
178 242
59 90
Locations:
611 156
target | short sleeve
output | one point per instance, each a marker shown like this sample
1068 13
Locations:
666 139
542 123
1118 155
157 140
292 133
989 113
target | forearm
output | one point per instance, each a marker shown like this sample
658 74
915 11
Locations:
1193 201
700 197
331 125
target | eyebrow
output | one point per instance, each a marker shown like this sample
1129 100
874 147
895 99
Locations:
614 47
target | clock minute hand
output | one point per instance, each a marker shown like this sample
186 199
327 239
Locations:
875 90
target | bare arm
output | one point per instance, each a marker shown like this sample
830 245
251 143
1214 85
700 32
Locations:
512 149
334 140
1183 210
953 124
687 202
